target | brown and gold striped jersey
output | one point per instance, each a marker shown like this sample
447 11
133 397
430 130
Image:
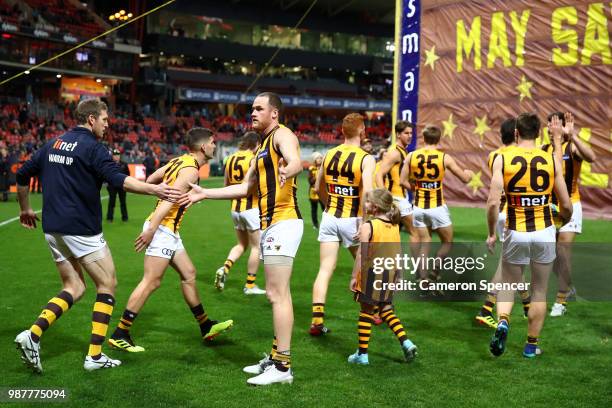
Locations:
427 172
275 203
236 168
395 188
343 166
384 243
571 170
173 219
529 177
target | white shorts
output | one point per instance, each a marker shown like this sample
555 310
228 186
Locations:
521 248
575 223
343 230
73 246
434 218
165 243
501 225
247 220
404 205
282 238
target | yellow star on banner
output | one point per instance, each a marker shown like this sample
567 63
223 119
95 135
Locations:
431 57
524 88
481 126
449 126
475 182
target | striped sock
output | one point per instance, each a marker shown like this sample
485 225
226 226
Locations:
561 297
202 318
227 265
504 316
250 282
318 313
53 311
487 307
125 324
102 311
282 360
364 331
532 340
394 324
526 300
274 348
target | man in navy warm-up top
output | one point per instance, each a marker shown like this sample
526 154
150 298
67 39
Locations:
72 169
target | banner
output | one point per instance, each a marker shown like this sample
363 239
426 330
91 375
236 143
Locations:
407 59
211 95
73 87
484 62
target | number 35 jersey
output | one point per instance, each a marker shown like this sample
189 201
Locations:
529 176
343 167
426 174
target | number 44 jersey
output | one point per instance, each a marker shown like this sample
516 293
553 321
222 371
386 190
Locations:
343 167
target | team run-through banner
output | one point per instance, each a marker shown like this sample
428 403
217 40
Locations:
482 62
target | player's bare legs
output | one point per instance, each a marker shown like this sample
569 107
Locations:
328 257
563 269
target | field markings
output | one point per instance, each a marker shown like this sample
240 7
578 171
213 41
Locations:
3 223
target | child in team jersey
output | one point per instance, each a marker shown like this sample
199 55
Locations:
380 238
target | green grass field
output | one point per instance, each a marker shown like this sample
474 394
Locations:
454 367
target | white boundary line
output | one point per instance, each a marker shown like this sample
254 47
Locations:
3 223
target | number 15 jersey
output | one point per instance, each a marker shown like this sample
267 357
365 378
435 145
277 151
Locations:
529 176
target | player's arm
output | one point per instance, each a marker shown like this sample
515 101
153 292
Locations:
405 174
369 164
579 148
157 176
495 193
391 159
321 186
31 168
107 169
565 204
241 190
186 176
288 145
464 175
365 232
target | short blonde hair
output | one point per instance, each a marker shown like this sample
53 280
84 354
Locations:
315 156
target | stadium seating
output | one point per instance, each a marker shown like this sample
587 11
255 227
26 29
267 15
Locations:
24 130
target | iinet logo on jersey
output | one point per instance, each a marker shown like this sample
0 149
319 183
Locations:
65 146
344 191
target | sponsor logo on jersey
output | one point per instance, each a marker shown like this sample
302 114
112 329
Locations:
522 200
344 191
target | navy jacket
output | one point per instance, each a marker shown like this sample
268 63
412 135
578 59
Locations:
72 169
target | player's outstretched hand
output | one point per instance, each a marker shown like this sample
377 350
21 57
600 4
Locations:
556 128
28 218
166 192
491 241
568 129
193 196
143 240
